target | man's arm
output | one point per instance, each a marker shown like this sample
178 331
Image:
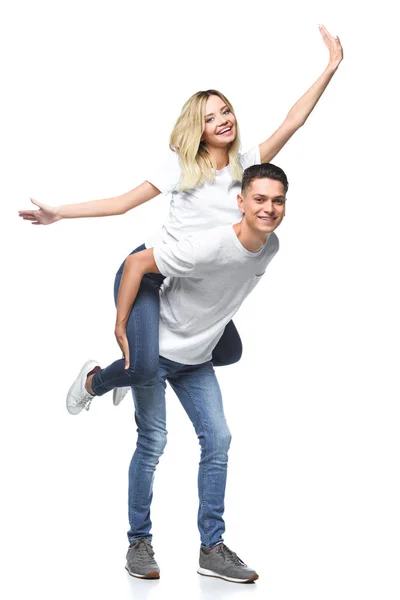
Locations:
136 266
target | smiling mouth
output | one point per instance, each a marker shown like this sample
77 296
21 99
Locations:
267 218
226 130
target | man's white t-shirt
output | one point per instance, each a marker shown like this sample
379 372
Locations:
205 206
209 274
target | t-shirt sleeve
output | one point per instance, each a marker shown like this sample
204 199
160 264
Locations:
175 260
250 158
196 255
166 175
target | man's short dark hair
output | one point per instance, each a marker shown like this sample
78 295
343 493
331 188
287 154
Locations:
264 171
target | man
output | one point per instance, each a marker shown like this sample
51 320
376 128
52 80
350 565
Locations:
208 277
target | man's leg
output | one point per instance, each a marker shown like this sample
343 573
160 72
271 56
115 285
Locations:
152 436
197 389
150 418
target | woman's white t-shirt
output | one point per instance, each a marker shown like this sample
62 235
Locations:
203 207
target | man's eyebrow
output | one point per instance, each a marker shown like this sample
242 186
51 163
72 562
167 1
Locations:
272 197
212 114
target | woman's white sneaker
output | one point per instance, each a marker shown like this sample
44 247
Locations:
78 397
119 394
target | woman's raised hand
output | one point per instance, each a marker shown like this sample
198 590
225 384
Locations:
44 215
334 46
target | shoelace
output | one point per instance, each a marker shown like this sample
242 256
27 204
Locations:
84 399
143 547
231 556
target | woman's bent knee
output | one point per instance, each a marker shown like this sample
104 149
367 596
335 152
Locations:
142 375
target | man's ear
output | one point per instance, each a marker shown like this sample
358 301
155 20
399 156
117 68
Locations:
240 202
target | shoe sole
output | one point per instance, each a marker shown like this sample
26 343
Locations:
151 575
208 573
77 386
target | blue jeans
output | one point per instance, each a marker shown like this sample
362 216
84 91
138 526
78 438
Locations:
142 334
198 391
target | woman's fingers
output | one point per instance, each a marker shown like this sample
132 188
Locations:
28 216
125 351
36 203
333 44
123 344
127 358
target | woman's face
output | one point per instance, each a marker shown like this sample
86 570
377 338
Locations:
219 124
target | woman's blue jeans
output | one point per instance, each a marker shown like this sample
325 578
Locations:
198 391
142 334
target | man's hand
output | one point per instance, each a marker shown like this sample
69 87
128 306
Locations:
120 334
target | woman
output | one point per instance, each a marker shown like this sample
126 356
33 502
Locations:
203 176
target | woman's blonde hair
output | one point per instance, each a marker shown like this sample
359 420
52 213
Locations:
196 162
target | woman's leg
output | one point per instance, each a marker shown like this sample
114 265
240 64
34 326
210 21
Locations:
229 348
142 334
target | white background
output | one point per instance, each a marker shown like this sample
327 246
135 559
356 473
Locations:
90 93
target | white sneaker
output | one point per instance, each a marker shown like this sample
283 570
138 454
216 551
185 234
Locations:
119 394
78 398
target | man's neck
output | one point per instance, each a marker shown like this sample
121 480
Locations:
250 240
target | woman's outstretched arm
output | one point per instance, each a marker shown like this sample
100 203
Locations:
45 215
299 113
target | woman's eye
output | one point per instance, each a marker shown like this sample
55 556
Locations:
209 120
227 111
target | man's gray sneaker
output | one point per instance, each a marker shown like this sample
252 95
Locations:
140 562
225 564
119 394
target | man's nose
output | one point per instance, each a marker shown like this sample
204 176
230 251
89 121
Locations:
268 206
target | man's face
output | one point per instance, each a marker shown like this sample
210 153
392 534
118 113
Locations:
263 204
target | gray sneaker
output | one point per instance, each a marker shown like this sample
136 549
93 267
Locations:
225 564
140 562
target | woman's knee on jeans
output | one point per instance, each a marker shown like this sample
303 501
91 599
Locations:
235 353
225 354
144 373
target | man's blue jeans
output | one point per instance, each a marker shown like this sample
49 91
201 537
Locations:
198 391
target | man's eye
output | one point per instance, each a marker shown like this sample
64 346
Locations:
278 202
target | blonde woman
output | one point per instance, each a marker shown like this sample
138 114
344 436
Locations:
202 176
